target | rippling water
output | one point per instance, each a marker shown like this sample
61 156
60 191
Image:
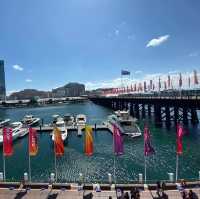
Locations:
96 168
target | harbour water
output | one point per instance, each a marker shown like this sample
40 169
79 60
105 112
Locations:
97 167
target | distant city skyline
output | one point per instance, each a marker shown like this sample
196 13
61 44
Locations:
47 44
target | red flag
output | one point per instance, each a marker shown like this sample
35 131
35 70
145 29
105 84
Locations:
7 142
179 136
148 148
33 144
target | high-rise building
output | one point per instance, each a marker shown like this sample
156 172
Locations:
2 81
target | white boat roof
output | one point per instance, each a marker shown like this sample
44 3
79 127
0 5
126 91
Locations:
81 116
60 122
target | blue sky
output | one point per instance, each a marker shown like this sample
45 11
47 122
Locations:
48 43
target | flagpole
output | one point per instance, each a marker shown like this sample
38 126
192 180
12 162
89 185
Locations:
114 170
4 165
29 157
55 164
177 166
145 170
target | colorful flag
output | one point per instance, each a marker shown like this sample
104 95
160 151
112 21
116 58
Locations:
88 141
179 136
125 72
195 77
33 143
7 142
117 141
148 149
58 142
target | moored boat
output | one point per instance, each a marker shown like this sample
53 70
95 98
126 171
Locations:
60 124
80 122
30 120
4 122
125 122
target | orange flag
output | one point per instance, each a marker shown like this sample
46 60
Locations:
33 144
88 141
58 142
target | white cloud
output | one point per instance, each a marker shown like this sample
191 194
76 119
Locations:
194 54
116 32
18 67
157 41
131 37
28 80
138 72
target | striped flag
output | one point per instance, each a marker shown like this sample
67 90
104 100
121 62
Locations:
148 149
33 142
7 142
179 136
88 141
58 142
117 141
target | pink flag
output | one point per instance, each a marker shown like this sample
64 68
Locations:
148 149
179 136
117 141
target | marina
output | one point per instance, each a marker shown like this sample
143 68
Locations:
128 166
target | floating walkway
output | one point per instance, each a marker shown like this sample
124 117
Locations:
48 128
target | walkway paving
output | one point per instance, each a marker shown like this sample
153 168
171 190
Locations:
72 194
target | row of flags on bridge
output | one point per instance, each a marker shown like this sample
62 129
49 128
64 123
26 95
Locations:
151 85
89 148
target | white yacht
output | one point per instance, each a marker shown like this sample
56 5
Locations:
125 122
4 122
30 120
80 122
60 124
16 129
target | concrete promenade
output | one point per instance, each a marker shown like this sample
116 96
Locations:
74 194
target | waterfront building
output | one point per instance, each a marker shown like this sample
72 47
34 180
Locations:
69 90
2 81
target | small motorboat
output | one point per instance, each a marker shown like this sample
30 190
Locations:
30 120
4 122
60 124
80 122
